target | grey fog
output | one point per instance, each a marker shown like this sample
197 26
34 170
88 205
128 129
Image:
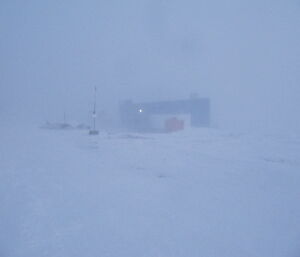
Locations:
150 128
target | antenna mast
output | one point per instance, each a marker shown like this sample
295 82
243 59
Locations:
94 131
94 112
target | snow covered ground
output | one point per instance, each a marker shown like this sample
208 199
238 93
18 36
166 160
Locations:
194 193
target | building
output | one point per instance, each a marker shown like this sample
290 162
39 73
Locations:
165 116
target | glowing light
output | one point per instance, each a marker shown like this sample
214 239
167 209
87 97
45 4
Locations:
140 110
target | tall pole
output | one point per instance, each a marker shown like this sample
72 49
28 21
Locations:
94 131
94 112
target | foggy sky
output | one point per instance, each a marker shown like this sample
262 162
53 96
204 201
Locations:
244 55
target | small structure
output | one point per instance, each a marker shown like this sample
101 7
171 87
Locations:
165 116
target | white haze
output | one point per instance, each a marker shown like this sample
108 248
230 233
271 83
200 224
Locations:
244 55
231 190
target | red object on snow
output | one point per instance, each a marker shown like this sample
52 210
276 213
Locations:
173 124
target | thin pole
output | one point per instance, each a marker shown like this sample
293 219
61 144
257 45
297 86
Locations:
94 113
